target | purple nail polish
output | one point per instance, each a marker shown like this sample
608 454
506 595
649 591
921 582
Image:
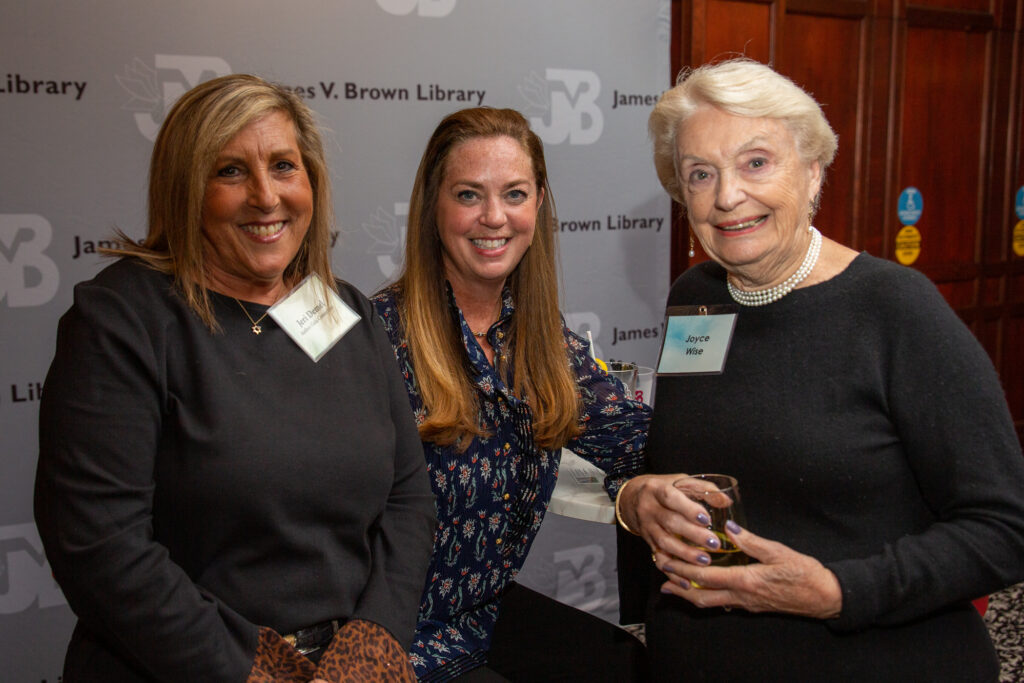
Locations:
684 584
712 543
733 527
668 568
703 518
704 559
665 590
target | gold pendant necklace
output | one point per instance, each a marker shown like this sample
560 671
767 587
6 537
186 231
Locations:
256 329
497 314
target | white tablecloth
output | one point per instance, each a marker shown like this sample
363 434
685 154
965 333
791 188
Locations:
580 492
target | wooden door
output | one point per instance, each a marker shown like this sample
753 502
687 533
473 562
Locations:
925 96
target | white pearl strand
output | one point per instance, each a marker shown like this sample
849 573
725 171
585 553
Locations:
767 296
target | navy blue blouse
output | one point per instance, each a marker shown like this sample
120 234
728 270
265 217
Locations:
492 497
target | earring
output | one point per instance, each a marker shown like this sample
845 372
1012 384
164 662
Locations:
692 252
810 217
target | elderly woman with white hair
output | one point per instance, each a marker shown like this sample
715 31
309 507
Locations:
867 427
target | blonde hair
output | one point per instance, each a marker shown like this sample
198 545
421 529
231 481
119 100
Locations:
543 376
741 87
195 130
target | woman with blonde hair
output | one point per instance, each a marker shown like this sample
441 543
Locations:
498 385
221 495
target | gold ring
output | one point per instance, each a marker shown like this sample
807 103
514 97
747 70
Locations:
654 558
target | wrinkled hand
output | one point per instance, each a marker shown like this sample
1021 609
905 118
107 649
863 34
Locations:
663 515
783 580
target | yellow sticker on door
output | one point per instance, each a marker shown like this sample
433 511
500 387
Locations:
908 245
1018 238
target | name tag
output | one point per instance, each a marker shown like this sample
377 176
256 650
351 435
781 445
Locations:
697 340
314 316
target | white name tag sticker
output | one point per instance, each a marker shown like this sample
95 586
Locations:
314 316
697 340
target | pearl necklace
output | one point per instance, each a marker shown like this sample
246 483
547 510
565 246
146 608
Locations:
767 296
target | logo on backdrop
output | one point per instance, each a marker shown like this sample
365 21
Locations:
387 232
635 333
27 392
152 91
25 576
19 84
28 277
569 99
580 582
612 223
425 8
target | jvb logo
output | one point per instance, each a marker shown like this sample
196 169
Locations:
25 576
427 8
584 322
388 235
572 108
580 581
152 97
28 277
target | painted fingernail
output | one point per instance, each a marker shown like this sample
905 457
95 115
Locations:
668 568
666 590
733 527
704 559
703 518
684 584
713 543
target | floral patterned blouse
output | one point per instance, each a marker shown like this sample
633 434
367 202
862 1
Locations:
492 497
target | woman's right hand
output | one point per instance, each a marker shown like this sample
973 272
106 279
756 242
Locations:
664 516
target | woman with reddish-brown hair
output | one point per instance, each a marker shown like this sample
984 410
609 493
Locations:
498 385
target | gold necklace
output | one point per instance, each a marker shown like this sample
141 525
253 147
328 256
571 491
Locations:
256 329
481 335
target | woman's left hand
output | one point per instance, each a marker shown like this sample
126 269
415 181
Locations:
782 580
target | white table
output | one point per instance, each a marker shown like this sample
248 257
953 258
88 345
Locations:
580 491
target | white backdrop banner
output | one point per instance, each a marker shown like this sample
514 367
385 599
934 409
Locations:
84 88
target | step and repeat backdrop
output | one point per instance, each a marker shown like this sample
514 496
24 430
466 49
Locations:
83 90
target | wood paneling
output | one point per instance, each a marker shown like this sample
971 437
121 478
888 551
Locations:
735 27
825 55
941 139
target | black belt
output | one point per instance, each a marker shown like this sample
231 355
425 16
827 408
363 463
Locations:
314 637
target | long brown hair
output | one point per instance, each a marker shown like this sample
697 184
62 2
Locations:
196 128
543 376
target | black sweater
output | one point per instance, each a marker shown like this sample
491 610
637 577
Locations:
193 486
868 429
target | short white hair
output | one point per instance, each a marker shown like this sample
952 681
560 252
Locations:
741 87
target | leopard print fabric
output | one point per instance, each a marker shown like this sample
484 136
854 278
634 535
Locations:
363 652
278 662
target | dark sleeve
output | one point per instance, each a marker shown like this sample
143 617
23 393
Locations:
614 426
405 534
99 429
953 423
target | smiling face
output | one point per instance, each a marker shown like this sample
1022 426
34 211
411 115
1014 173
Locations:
747 193
486 212
256 210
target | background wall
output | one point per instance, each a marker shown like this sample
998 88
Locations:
83 89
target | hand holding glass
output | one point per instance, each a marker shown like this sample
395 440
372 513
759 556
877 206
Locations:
720 496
